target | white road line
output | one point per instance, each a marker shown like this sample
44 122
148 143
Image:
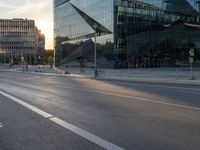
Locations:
38 111
87 135
92 138
131 97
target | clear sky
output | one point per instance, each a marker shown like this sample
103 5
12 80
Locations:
39 10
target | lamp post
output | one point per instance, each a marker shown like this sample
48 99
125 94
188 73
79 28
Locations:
95 51
95 55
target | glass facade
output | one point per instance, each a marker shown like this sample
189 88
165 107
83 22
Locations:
74 35
132 33
156 33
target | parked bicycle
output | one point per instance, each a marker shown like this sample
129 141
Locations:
99 73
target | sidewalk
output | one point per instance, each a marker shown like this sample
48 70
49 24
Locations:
159 75
39 69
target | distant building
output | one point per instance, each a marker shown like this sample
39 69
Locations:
20 41
130 33
41 46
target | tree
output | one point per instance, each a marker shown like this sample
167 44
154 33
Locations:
47 58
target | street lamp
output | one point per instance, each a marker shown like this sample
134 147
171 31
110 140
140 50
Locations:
95 56
95 51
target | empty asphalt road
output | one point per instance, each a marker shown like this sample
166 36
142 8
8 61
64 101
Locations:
67 112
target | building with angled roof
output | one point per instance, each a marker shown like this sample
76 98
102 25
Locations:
130 33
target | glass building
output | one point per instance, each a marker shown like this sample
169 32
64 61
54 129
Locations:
130 33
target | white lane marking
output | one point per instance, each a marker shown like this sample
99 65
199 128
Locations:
131 97
93 138
38 111
87 135
1 125
156 86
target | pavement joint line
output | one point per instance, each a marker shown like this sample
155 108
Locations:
133 97
85 134
155 80
158 86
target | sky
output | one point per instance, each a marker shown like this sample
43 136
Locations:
39 10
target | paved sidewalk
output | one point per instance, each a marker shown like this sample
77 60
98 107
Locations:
164 75
160 75
38 69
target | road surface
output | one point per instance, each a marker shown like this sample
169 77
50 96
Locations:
83 113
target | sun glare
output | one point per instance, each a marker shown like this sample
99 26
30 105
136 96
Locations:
45 28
